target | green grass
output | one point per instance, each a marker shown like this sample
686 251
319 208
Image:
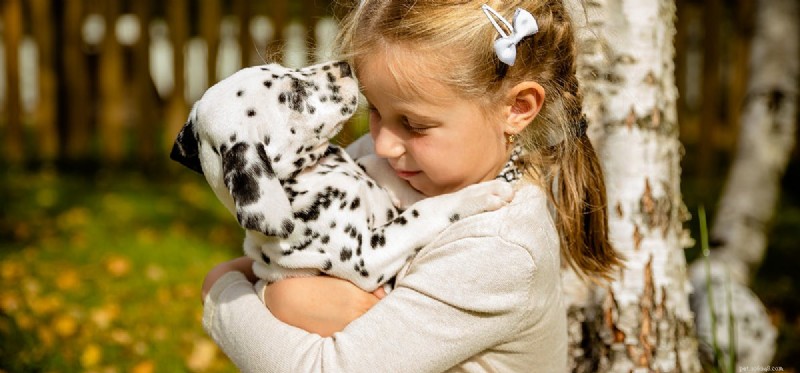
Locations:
103 273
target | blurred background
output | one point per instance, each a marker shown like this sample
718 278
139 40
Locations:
104 241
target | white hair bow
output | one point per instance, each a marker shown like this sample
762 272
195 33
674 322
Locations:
506 45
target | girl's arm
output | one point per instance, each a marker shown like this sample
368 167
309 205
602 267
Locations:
319 304
456 301
242 264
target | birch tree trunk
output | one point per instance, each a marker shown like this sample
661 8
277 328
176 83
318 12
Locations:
739 233
642 320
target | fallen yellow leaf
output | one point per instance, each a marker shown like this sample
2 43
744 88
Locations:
68 280
118 266
65 326
25 322
146 366
11 269
104 316
45 335
154 272
73 218
91 356
121 337
203 354
44 305
9 302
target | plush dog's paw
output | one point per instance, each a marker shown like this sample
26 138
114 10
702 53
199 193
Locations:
486 196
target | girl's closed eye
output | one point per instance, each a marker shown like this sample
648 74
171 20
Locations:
414 127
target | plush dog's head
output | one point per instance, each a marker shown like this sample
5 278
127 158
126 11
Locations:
293 113
264 124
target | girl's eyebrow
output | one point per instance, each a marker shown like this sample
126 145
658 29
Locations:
406 109
424 120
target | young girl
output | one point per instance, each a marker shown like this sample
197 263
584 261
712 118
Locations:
459 92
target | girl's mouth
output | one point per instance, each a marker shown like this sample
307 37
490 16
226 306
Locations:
406 174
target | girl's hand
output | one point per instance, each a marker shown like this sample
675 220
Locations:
320 304
242 264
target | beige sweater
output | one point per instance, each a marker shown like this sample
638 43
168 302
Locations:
485 296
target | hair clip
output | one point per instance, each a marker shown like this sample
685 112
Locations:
506 45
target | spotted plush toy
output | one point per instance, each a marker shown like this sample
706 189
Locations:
261 138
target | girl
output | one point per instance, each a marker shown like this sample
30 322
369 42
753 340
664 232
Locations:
459 92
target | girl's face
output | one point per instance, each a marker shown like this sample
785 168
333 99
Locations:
435 140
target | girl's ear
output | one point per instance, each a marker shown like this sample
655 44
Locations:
523 103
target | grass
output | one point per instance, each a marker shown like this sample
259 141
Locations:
102 273
777 281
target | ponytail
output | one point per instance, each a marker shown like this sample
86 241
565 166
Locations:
582 210
573 179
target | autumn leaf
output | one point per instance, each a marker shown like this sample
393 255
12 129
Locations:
65 326
68 280
11 269
104 316
203 354
91 356
9 302
146 366
118 266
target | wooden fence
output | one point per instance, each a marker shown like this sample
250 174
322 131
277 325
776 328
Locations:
99 80
71 92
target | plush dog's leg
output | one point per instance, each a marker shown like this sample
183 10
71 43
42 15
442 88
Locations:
401 193
391 245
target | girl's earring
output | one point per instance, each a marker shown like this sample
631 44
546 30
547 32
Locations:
511 138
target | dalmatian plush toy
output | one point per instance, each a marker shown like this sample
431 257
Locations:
261 139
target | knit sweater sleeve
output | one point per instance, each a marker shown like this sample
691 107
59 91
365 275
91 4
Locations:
455 301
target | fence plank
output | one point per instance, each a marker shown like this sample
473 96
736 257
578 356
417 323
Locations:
210 19
278 13
241 9
112 89
177 109
45 113
12 34
74 89
144 93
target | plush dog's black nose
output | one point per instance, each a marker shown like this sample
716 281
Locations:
344 69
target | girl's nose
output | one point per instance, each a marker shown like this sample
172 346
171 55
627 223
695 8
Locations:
387 143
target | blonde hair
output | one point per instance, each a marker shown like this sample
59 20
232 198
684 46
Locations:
457 34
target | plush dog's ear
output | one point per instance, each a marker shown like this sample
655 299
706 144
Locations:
186 148
261 202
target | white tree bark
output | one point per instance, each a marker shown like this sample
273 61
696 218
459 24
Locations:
739 233
642 321
765 141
